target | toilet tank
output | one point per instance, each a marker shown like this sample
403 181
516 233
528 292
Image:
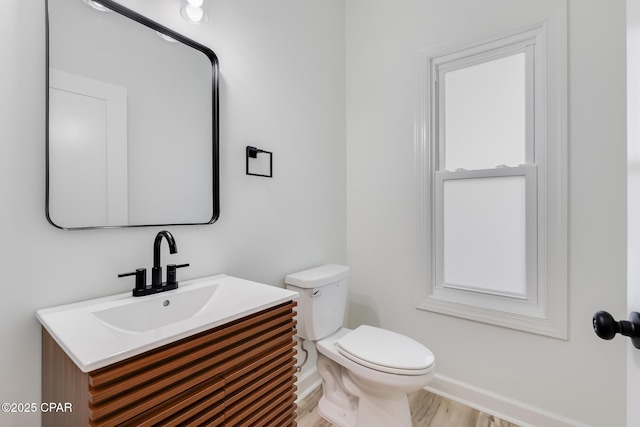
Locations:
323 299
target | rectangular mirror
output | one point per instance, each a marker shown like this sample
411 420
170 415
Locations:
132 120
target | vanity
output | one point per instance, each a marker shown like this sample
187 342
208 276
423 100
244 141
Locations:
217 351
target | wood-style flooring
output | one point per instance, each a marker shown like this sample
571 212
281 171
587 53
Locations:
427 410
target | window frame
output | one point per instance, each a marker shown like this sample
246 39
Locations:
485 297
471 57
543 310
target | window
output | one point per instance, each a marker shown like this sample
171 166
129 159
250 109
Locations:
492 176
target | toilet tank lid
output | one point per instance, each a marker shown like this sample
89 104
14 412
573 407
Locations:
318 276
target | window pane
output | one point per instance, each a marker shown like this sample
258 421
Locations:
484 244
485 114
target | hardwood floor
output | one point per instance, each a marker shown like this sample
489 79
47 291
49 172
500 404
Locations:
427 410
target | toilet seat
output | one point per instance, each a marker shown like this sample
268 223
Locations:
385 351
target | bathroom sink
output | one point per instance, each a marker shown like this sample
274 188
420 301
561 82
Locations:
145 314
102 331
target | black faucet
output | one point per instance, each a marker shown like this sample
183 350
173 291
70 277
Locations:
156 271
157 285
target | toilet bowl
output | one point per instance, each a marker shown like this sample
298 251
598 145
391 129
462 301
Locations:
366 372
377 393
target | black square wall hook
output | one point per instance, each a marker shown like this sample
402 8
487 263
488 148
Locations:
252 153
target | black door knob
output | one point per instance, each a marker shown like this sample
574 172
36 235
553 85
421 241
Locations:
606 327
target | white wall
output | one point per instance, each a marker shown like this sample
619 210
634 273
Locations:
633 191
281 93
285 94
581 379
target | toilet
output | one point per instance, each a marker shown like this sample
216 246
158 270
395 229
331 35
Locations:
366 372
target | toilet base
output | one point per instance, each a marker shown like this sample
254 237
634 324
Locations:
351 402
371 412
336 415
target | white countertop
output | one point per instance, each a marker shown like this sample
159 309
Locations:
93 343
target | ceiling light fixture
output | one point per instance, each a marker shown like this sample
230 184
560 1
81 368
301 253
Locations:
166 37
194 11
97 6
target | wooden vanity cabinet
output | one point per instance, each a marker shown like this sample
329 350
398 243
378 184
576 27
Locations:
238 374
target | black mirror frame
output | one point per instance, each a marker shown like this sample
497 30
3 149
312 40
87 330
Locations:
215 113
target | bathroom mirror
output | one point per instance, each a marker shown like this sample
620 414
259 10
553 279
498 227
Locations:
132 120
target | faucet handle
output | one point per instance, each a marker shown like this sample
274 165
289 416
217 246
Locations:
171 274
141 280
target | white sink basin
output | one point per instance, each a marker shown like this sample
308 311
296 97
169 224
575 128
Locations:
147 313
102 331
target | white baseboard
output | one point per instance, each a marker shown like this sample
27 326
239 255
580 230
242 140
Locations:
503 407
307 382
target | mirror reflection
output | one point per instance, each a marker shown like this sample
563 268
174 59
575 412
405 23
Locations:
132 121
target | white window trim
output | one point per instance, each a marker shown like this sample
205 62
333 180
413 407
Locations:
546 314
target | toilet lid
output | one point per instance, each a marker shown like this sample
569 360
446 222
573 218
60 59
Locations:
386 351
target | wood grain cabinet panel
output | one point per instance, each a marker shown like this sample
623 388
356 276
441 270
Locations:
238 374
